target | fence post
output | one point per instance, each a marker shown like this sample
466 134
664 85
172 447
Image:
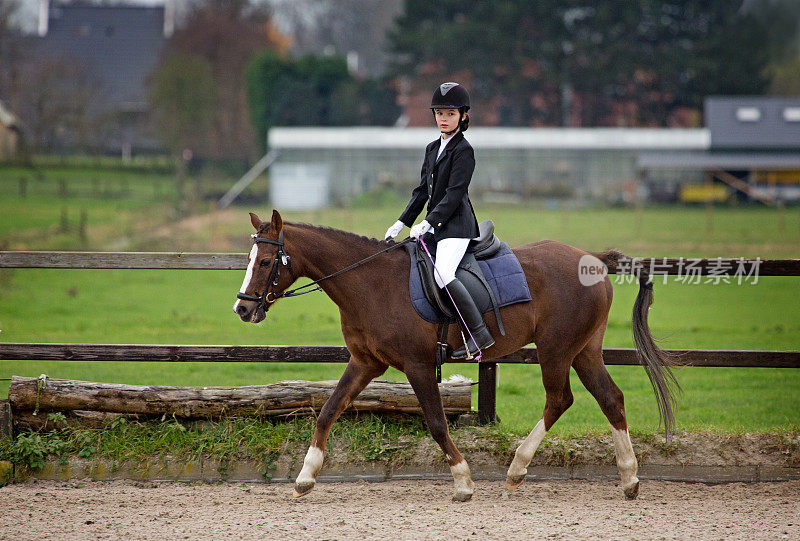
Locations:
5 418
487 392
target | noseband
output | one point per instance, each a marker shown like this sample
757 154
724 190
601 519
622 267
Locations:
282 259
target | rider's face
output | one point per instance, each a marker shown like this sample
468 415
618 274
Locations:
446 119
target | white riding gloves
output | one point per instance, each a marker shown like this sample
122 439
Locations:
420 229
393 231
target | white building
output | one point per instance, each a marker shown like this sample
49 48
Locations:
589 164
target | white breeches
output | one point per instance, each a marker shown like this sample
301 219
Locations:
449 253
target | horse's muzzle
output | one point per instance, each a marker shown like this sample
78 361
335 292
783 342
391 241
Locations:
251 314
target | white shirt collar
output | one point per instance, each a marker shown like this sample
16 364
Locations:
443 143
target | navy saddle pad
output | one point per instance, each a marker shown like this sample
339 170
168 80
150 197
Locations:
502 271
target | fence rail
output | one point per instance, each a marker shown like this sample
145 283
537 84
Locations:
487 371
226 261
339 354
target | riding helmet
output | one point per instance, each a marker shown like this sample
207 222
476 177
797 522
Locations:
450 96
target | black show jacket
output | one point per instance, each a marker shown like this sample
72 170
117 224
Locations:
444 185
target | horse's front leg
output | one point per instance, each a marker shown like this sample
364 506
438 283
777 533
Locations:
356 376
423 381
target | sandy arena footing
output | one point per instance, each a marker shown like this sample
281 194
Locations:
398 510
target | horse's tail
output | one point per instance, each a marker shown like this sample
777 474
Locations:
656 361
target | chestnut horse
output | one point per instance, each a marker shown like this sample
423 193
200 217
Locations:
566 320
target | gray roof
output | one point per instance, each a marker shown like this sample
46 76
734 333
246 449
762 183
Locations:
718 160
745 122
120 45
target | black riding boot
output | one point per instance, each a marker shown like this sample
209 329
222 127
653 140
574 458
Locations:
473 319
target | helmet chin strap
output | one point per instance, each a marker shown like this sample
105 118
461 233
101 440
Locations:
451 132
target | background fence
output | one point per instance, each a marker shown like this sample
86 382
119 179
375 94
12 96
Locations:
487 371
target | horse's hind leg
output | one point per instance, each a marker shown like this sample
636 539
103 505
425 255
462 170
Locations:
355 377
423 381
555 376
594 376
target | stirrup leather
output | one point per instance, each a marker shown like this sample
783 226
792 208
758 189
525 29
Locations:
469 356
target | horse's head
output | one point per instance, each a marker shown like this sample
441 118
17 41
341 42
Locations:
269 270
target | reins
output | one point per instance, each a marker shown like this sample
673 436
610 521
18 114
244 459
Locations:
282 258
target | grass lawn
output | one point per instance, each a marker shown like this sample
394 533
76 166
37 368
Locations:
154 307
187 307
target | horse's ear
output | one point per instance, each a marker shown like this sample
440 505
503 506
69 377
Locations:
255 220
277 221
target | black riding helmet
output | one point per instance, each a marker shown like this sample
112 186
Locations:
452 96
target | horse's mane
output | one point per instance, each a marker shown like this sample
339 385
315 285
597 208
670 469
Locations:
351 239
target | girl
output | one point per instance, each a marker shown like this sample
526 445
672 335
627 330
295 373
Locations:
446 173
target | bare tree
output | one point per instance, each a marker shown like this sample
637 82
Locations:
56 99
11 49
226 34
340 27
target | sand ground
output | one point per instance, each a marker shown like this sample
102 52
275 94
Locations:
398 510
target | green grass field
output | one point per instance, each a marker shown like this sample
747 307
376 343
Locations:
188 307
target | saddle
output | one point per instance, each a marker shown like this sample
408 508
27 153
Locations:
469 272
489 270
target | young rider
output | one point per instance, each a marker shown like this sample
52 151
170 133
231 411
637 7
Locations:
446 174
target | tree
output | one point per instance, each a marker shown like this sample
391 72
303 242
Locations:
183 96
551 62
785 77
11 49
292 93
339 27
313 91
226 34
54 98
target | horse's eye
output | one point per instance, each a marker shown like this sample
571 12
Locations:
264 262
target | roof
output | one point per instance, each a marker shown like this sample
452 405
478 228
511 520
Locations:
118 44
718 160
753 122
519 138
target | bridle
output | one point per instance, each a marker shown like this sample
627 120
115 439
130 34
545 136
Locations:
282 259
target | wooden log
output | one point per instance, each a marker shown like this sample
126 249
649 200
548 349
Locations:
25 419
280 398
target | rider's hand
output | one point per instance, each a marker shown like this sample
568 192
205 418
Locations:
393 231
420 229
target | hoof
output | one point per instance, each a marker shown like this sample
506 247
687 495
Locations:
301 489
462 496
632 491
514 481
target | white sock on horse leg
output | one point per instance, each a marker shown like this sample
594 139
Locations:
311 465
626 458
526 450
462 477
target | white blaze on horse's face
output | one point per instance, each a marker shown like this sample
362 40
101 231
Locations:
249 275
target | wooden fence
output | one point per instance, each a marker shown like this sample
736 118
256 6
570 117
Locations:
716 268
